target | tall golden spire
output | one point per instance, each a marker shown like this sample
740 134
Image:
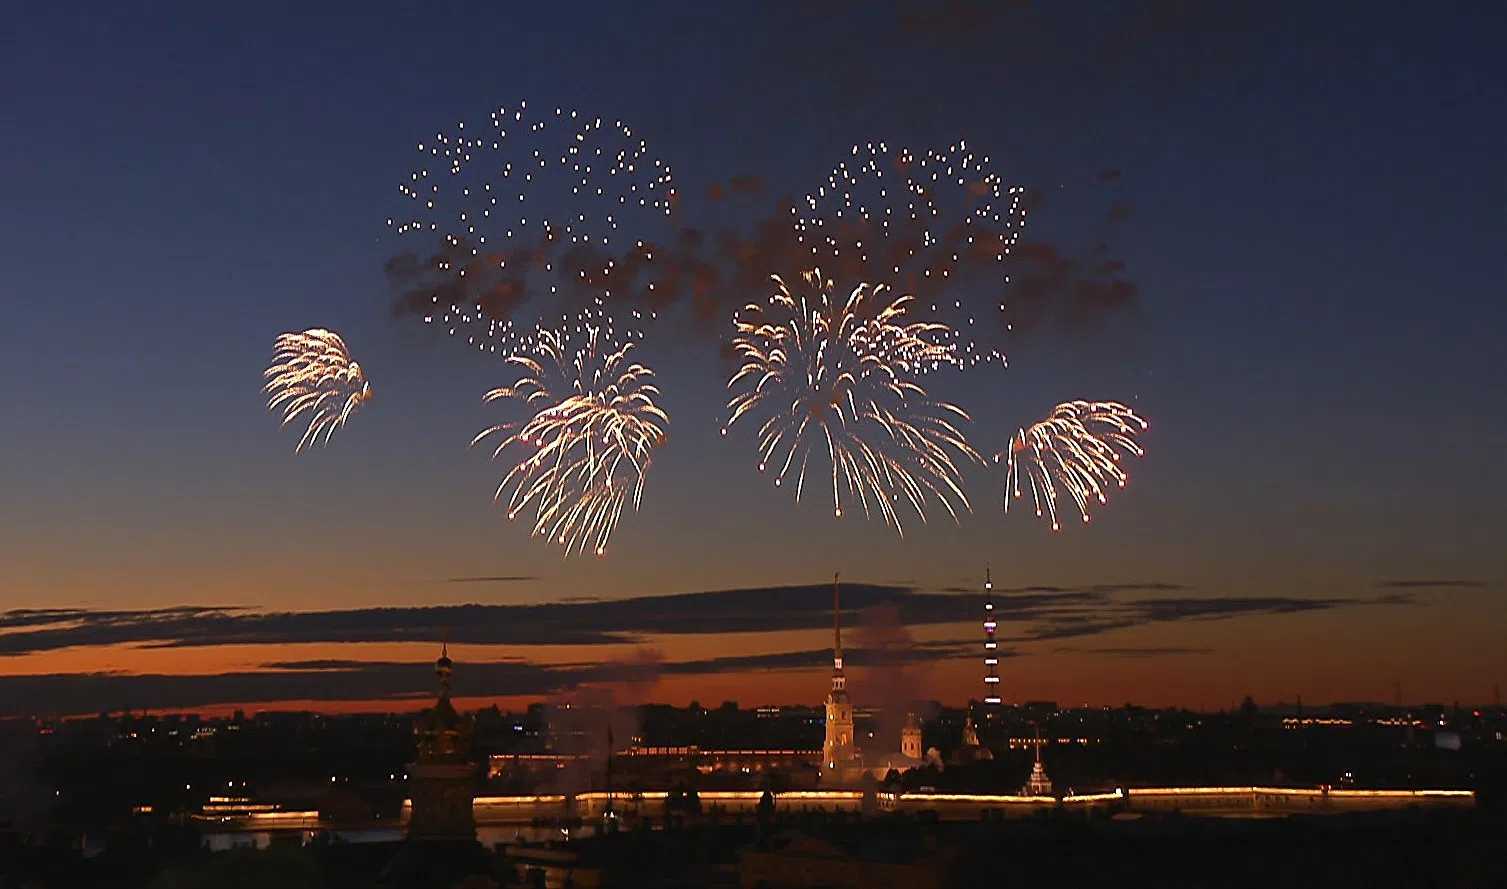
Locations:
836 615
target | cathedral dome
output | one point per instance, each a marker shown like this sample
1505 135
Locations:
439 718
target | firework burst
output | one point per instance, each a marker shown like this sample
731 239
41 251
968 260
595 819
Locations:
516 216
835 379
585 449
1075 451
312 373
928 221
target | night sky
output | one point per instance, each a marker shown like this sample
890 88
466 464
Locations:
1305 210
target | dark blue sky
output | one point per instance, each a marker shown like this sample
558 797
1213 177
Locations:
1318 213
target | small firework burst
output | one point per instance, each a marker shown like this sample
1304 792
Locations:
1075 451
312 374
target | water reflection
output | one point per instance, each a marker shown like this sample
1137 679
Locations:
488 835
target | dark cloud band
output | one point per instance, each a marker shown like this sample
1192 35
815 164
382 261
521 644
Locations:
1044 612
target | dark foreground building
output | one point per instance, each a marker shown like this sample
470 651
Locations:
441 850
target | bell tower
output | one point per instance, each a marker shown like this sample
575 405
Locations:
910 737
442 780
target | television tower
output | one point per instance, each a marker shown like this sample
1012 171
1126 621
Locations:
991 648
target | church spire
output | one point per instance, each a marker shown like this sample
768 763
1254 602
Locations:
441 778
1038 784
442 669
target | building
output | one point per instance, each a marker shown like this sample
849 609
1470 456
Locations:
970 750
910 737
909 757
441 850
1038 784
840 760
671 766
442 781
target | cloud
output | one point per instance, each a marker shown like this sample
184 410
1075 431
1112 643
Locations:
1430 584
1041 612
1115 614
62 628
1164 47
78 693
1203 608
1093 588
28 617
1137 587
1146 652
866 659
344 679
180 628
881 614
495 280
501 578
1068 627
1075 290
736 185
711 272
579 622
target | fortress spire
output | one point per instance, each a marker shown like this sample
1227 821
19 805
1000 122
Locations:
839 755
838 681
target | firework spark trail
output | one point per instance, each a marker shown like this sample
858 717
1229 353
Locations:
528 204
1075 450
586 447
490 335
312 373
839 376
923 221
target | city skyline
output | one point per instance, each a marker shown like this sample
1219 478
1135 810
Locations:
1277 237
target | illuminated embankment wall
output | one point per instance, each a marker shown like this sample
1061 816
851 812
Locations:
970 806
1289 800
1213 801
